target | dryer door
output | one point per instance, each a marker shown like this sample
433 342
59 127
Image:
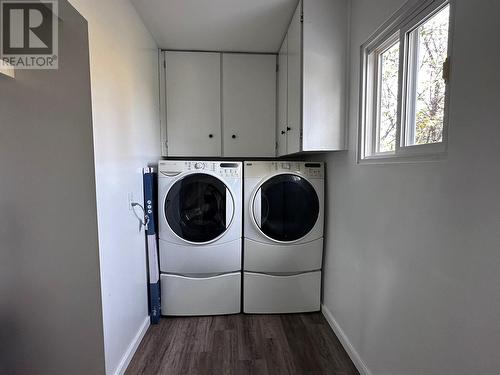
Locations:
199 208
286 207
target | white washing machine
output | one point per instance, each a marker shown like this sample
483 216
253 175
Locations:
200 230
283 236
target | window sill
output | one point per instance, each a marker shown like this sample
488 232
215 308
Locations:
403 158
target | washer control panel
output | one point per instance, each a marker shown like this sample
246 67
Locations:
230 169
171 168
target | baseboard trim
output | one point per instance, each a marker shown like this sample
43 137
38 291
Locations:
129 353
351 351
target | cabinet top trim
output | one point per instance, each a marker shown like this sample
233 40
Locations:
208 51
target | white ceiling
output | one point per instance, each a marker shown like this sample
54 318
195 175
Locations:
217 25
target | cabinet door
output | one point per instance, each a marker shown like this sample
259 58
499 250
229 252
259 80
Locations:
249 105
193 103
323 83
294 88
282 99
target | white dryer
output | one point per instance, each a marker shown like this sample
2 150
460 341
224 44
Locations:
283 236
200 230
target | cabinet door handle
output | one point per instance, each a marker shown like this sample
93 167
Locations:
233 136
288 128
283 132
210 136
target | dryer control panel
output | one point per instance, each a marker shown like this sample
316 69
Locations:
171 168
264 168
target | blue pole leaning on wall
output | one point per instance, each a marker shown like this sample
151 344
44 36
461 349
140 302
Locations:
150 196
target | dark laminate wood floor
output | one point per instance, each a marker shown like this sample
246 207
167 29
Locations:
242 344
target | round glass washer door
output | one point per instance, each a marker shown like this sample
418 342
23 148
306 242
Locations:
199 208
285 207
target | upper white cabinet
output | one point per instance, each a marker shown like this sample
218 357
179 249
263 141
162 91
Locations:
219 104
192 92
314 54
294 88
282 99
248 105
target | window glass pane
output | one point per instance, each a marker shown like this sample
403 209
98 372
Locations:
426 100
387 108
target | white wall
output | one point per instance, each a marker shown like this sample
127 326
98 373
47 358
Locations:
412 271
50 302
123 59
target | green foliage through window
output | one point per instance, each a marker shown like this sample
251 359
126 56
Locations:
430 44
388 104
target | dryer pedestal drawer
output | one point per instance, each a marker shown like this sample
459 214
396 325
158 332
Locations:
215 295
263 294
265 257
190 259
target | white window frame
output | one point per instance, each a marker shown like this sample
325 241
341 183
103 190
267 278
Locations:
373 71
401 24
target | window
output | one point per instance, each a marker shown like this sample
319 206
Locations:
404 85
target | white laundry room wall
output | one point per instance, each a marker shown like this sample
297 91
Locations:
124 76
412 261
